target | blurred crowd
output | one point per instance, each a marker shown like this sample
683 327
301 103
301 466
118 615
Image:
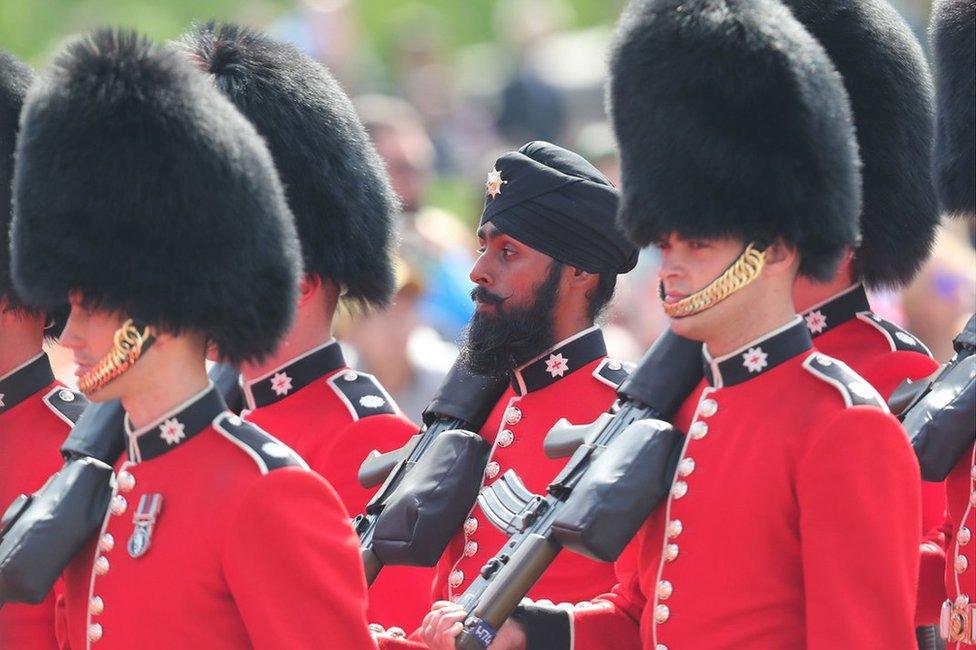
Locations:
439 117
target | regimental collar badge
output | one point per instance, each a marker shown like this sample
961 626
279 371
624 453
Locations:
836 310
294 375
493 186
144 520
560 361
759 356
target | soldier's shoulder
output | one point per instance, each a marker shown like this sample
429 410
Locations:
612 372
362 395
267 452
853 389
897 338
65 403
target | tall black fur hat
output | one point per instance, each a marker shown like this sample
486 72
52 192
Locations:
953 37
890 87
142 187
15 78
732 121
335 182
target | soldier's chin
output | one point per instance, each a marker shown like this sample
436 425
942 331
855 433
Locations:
694 327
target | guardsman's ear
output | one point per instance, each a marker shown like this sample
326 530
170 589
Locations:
581 278
309 285
782 257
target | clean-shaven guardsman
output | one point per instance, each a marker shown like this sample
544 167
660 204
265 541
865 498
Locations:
889 84
36 411
143 196
550 254
304 393
739 161
953 37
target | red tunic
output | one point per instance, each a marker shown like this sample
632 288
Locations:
844 328
247 549
574 380
771 537
333 416
36 415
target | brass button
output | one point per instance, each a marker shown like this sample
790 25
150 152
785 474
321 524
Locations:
679 489
670 552
470 526
470 548
119 504
960 564
126 481
686 466
101 565
662 613
698 430
513 415
96 606
106 543
708 408
491 471
963 536
456 578
664 589
674 528
505 438
66 395
94 632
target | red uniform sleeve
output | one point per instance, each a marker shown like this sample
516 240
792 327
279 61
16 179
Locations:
292 563
858 494
610 621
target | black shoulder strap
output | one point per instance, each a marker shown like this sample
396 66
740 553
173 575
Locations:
613 372
268 452
66 404
898 338
855 390
362 394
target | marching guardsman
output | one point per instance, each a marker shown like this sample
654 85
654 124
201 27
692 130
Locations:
739 161
889 84
36 411
304 393
953 38
144 197
550 256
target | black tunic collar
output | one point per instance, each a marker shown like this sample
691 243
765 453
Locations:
559 361
836 310
758 356
294 375
176 427
23 381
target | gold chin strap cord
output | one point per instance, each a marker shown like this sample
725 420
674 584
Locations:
741 272
129 345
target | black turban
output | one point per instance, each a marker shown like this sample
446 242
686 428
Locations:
554 201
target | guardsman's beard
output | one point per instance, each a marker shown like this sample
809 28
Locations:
495 343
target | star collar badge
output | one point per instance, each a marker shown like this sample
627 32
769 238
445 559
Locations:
280 383
172 431
493 186
1 401
754 359
816 321
557 365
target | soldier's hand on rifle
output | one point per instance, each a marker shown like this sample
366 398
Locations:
445 621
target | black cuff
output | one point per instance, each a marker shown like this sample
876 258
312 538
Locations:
546 628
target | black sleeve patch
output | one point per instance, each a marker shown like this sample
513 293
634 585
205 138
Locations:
853 388
898 339
362 394
613 372
66 404
267 451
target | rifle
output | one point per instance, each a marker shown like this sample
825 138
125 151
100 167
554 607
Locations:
596 504
395 529
41 532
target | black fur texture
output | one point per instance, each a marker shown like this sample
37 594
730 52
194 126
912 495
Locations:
335 182
15 78
142 187
732 121
890 87
953 37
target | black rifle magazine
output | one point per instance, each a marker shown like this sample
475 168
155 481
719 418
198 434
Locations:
428 507
624 484
60 518
941 426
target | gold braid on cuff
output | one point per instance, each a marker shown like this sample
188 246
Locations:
741 272
129 345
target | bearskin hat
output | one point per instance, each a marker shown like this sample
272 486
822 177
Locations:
140 186
890 87
732 121
953 37
335 182
15 78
